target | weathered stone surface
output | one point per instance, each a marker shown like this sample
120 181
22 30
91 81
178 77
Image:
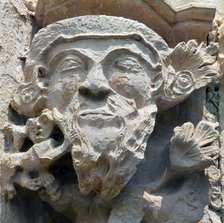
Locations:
83 134
168 20
95 98
15 36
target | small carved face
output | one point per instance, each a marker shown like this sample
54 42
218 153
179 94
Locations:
40 128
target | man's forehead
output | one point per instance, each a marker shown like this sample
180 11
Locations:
99 48
95 27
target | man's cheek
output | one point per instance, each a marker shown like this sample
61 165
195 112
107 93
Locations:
122 84
70 86
129 85
63 92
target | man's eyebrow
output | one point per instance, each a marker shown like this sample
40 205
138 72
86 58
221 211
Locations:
64 53
133 52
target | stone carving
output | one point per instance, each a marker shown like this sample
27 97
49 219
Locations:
170 19
92 88
18 166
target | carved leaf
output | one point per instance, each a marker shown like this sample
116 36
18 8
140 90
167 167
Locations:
200 60
191 67
191 148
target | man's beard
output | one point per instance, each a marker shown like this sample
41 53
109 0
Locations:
104 165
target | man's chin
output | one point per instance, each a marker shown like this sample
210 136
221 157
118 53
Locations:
101 131
105 158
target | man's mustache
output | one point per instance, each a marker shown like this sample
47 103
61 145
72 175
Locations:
114 103
101 111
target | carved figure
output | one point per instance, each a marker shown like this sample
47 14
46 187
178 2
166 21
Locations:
17 167
104 79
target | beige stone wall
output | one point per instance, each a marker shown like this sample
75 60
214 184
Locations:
220 9
220 17
15 36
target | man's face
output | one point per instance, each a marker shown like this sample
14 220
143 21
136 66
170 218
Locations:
103 90
40 128
100 82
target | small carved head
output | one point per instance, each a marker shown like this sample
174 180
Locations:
40 128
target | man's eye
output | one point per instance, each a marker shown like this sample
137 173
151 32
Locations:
128 64
71 65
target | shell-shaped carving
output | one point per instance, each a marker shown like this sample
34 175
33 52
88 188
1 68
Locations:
192 148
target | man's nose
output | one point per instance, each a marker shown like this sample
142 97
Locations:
96 84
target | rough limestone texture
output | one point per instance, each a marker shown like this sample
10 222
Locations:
167 19
15 36
221 112
109 124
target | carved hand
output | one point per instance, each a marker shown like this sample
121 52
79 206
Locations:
24 180
50 184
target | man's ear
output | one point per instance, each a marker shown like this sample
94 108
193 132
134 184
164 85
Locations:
190 66
29 100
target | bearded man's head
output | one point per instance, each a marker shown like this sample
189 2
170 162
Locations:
106 76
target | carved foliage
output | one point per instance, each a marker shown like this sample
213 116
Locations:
191 148
191 67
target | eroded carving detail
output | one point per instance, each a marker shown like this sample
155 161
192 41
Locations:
92 88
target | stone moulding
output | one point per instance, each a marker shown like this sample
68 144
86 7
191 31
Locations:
169 21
